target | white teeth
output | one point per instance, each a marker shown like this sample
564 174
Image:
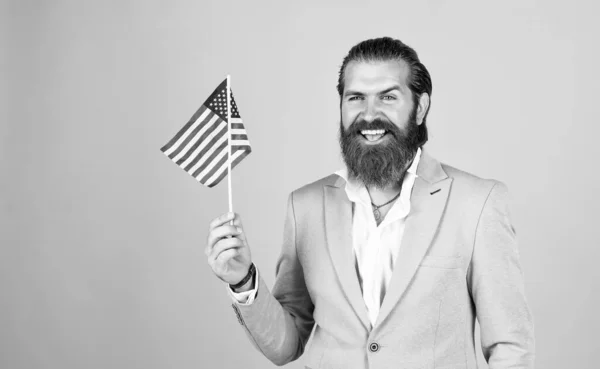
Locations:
373 132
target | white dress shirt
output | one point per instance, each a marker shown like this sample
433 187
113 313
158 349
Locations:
375 247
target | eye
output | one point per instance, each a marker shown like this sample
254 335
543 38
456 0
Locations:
388 97
354 98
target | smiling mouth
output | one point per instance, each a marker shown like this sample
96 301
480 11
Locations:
373 135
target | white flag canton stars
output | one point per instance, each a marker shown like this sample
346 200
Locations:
219 105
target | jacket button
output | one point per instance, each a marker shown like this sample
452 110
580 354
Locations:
374 347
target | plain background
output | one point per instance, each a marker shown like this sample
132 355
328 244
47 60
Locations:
102 262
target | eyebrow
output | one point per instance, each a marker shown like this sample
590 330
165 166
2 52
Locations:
357 93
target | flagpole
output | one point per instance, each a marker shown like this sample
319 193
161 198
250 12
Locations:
229 144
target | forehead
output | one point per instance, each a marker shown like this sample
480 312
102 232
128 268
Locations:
376 74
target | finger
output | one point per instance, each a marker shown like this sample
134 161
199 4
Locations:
226 255
224 245
220 220
237 221
219 233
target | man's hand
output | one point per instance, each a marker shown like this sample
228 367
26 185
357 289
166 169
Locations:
227 249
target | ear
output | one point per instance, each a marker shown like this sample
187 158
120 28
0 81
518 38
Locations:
423 107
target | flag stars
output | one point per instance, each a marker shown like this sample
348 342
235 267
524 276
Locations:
218 103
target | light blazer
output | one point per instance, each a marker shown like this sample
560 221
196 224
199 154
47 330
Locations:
458 260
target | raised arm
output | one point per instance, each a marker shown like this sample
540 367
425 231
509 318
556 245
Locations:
279 323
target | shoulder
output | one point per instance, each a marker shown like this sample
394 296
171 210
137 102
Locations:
479 190
307 201
315 188
472 181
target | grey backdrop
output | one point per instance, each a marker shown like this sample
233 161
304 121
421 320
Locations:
102 262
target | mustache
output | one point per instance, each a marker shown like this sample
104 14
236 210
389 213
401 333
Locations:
359 125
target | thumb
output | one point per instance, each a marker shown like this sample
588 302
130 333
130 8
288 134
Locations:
242 234
237 221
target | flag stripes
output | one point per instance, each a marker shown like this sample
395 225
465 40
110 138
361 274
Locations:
201 146
182 137
222 171
209 156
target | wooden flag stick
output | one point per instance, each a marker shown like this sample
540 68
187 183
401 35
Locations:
229 144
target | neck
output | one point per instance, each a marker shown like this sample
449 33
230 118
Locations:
381 195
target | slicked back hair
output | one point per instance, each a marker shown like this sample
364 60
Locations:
386 49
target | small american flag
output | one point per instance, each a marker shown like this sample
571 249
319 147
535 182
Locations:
200 147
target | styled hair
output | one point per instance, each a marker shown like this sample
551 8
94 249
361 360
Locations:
386 49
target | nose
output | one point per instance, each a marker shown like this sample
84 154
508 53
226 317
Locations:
370 110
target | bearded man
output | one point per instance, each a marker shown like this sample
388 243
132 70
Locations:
389 261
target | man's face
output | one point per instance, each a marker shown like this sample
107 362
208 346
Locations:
378 132
376 90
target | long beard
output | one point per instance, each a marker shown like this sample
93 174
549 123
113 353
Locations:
382 164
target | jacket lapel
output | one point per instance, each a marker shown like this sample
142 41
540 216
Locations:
338 227
428 201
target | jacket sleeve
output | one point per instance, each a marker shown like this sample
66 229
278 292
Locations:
279 323
497 287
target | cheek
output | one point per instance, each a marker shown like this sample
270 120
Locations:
348 115
398 117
